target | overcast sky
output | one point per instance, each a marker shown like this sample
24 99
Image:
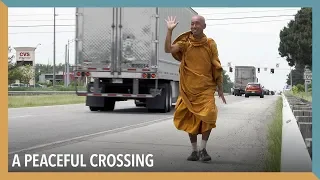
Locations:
241 40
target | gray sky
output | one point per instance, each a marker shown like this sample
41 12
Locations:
241 40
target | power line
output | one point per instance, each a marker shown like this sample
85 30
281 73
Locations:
41 32
37 14
252 17
44 25
249 22
28 20
207 19
208 25
239 12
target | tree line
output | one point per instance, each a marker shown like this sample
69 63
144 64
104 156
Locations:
25 73
296 44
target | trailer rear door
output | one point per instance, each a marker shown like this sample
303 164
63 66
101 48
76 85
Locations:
94 34
136 36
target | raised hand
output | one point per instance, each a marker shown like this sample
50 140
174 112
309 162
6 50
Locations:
171 23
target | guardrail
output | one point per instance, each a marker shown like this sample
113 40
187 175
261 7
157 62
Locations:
34 93
294 153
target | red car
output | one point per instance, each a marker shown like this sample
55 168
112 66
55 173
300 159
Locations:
254 89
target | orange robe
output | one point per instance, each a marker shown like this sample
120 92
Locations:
200 73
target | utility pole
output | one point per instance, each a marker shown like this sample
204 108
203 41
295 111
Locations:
65 66
291 76
68 65
54 47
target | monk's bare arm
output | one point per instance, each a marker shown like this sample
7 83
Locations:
168 47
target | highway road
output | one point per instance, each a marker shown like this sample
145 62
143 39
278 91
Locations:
238 143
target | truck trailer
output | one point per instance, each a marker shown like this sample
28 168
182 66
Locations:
242 76
122 51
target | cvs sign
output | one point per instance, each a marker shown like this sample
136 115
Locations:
24 54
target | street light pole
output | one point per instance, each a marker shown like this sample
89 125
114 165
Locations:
34 67
54 47
68 65
291 76
65 66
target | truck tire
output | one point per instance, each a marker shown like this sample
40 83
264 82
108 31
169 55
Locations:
246 95
167 94
94 108
109 104
169 98
140 105
161 103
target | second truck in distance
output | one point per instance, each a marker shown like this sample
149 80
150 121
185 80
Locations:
242 76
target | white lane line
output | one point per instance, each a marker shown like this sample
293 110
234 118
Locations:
47 106
90 135
14 117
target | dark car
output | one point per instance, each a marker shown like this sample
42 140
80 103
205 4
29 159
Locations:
254 89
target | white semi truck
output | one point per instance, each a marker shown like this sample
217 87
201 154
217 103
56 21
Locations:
242 76
122 51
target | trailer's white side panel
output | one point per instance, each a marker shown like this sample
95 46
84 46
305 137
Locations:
94 35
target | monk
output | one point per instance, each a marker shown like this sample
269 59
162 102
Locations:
200 77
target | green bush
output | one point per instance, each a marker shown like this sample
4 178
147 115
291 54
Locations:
300 88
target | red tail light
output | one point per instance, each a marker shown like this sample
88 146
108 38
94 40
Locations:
144 75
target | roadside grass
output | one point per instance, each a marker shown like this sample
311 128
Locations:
43 100
273 158
306 96
57 88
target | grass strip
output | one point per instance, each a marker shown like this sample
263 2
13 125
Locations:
273 158
43 100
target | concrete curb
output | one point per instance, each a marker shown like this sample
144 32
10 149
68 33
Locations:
294 153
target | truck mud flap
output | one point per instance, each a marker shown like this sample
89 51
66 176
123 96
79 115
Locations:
95 101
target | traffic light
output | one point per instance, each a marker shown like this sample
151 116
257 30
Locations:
258 70
272 71
230 69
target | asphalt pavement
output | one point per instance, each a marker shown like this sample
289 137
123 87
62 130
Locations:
237 144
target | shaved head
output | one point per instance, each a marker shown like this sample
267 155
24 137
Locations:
199 19
198 24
